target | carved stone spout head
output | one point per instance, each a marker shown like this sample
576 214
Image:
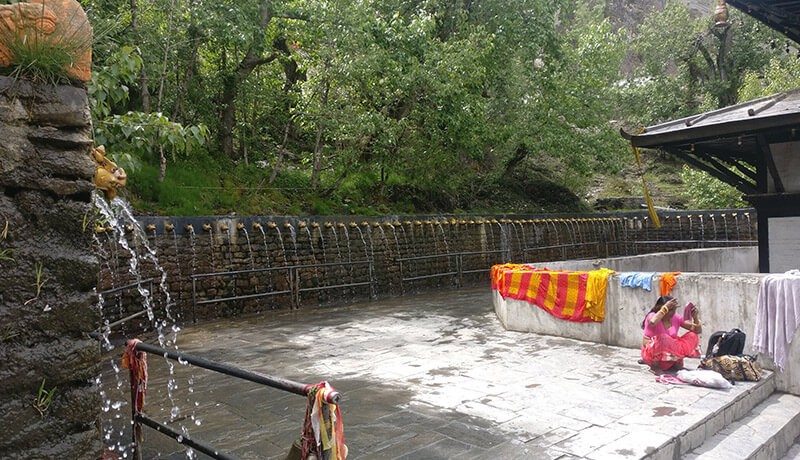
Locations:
108 177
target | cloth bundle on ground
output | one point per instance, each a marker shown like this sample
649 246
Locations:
777 315
726 343
740 368
704 378
578 296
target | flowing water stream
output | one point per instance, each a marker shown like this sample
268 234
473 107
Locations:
115 418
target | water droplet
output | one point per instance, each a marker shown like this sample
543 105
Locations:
47 307
175 412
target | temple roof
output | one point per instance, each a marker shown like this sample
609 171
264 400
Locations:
731 143
783 16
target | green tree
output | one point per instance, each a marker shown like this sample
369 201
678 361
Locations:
690 65
568 102
134 135
704 191
781 74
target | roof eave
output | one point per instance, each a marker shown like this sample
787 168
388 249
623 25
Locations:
713 131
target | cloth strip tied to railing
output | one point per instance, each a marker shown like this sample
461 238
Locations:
324 414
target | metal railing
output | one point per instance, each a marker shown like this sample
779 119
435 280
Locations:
563 249
293 274
455 266
698 243
97 334
139 419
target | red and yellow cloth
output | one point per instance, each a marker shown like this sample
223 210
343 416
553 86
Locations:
323 430
578 296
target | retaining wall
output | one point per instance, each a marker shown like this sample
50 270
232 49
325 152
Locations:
226 266
48 364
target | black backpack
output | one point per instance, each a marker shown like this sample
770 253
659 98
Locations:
726 343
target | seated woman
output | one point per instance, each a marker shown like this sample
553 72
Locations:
662 348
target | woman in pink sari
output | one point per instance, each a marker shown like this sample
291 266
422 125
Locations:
662 348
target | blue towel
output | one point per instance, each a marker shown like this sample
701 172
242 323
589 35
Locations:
643 280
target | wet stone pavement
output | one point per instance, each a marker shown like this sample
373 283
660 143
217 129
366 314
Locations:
432 376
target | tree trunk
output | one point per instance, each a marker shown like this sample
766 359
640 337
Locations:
162 171
252 59
142 73
281 152
316 166
196 34
165 61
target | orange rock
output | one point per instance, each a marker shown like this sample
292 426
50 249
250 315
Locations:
50 23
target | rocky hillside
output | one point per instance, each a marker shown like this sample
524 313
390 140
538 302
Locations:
624 190
629 14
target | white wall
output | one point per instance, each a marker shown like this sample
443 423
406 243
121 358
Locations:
717 260
784 244
787 162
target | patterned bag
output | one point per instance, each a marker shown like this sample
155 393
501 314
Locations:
743 368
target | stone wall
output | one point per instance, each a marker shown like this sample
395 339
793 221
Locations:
227 266
47 274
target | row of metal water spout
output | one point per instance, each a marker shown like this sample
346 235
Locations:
170 227
226 225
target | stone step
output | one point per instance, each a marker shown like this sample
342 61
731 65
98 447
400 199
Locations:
719 417
794 451
765 433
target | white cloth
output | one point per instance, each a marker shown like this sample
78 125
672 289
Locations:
704 378
778 315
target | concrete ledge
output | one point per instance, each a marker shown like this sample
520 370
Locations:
725 301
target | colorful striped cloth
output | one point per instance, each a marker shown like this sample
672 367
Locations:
578 296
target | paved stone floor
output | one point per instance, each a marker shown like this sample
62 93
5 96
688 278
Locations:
432 376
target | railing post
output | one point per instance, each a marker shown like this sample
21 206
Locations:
373 291
136 426
459 269
294 287
400 270
194 299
